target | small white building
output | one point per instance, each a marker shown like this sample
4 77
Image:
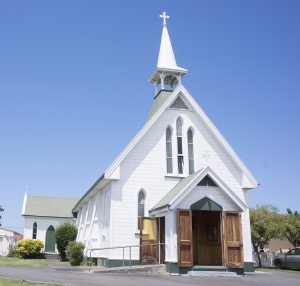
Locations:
8 240
43 215
178 183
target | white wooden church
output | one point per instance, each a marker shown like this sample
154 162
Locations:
177 183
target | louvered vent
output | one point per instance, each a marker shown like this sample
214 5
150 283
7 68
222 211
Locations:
178 104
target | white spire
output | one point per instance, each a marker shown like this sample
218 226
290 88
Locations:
166 58
167 71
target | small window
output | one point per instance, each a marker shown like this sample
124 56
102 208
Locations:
34 231
191 151
179 146
141 206
169 155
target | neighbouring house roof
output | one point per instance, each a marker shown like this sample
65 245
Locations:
12 231
43 206
188 183
275 245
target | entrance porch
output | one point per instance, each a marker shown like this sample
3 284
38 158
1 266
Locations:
209 236
206 225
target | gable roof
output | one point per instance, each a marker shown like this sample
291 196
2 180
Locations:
177 189
161 102
42 206
185 185
161 105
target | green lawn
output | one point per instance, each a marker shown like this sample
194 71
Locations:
10 282
22 262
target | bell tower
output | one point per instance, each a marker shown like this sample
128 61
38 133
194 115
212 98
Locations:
167 74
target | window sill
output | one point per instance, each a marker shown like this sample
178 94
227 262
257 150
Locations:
175 176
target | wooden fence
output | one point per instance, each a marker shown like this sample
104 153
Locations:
267 259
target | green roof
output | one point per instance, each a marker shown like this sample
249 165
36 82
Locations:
171 195
159 100
49 206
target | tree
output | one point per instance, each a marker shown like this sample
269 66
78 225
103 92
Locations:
292 227
266 223
1 210
64 233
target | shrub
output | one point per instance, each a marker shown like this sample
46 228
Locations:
29 248
13 253
64 233
74 252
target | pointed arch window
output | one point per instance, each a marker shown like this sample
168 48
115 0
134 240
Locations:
169 155
179 145
141 206
34 230
190 137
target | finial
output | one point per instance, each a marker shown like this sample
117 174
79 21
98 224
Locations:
164 16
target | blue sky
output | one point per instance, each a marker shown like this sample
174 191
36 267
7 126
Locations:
74 91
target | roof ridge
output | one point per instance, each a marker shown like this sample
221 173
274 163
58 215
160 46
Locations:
60 197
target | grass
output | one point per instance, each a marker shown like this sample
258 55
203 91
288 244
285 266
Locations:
4 261
11 282
262 269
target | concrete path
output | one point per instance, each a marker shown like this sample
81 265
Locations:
70 276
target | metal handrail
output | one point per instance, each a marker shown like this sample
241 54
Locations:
123 248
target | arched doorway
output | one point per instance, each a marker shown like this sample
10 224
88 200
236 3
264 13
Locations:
50 239
207 232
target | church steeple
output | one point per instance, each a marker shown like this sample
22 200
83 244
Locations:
167 72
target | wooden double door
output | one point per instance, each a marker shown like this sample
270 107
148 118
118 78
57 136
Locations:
209 238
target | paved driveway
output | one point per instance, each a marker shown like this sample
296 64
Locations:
79 278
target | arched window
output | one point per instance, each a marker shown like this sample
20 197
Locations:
169 150
34 230
191 151
141 206
179 145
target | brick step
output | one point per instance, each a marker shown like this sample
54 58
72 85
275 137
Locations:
215 271
212 273
209 268
51 255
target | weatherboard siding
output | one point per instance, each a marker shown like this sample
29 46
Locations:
145 168
94 221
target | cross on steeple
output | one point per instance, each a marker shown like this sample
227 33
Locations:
164 16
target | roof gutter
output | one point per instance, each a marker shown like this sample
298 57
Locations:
101 178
